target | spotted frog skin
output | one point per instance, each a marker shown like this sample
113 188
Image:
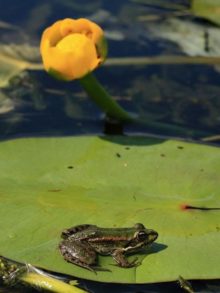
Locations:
82 244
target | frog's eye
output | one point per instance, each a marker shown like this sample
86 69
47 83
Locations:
142 235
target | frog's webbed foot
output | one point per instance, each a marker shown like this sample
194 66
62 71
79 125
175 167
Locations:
134 263
79 263
85 266
92 268
119 257
100 269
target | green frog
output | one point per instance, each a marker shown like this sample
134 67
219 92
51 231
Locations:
81 244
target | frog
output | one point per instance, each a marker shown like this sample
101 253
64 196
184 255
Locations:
82 244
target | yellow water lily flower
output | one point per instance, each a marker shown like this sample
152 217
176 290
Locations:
71 48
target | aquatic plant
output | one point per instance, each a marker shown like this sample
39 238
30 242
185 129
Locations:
72 49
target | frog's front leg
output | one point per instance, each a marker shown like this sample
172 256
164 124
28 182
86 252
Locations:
120 258
79 253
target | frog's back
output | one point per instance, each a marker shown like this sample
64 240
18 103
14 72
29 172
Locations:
75 230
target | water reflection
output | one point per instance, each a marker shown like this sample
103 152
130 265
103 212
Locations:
33 103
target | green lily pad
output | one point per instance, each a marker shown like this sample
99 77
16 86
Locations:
48 184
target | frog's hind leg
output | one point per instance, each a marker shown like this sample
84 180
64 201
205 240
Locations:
82 264
78 253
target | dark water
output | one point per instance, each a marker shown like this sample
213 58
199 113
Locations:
177 100
182 96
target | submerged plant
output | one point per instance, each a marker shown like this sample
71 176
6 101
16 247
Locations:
13 273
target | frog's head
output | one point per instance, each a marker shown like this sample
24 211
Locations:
147 236
144 235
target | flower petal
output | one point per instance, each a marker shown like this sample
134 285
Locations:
72 48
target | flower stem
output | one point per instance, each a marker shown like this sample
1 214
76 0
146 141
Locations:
99 95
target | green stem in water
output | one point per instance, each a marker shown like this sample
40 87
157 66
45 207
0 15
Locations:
99 95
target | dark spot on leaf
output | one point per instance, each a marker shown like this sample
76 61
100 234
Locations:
127 148
162 155
70 167
118 155
201 170
54 190
189 207
183 206
180 147
134 197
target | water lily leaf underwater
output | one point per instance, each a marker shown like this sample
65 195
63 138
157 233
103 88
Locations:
16 58
48 184
208 9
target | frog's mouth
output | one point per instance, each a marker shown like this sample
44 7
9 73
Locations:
152 236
